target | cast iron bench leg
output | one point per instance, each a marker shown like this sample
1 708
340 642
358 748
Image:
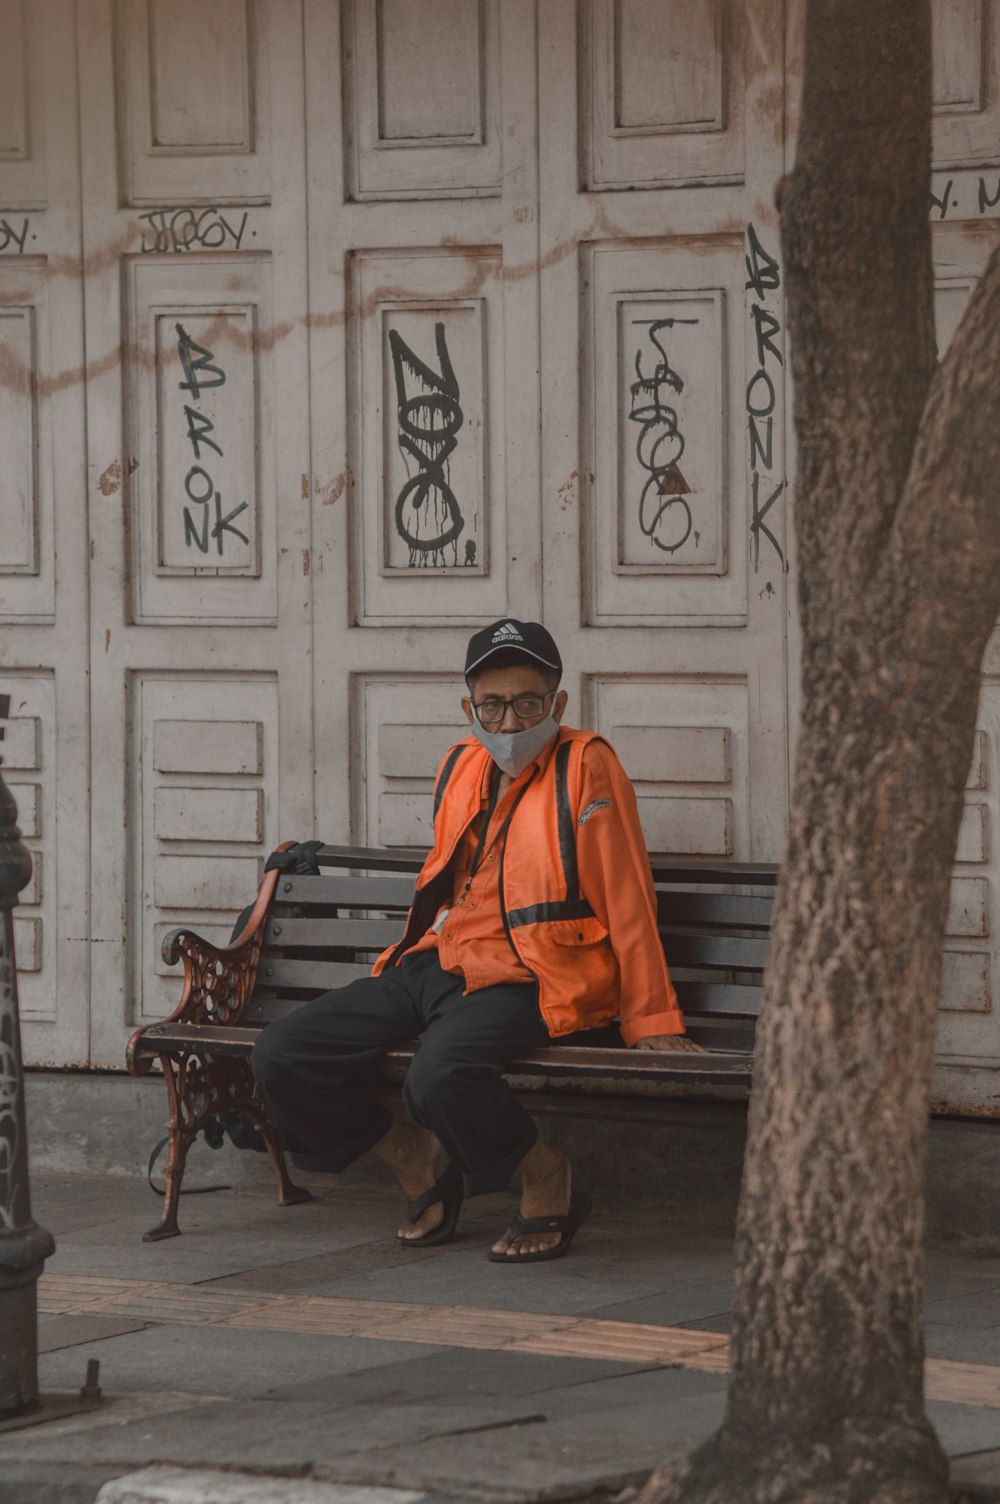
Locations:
197 1088
182 1136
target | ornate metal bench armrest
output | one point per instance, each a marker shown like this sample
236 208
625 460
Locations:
218 979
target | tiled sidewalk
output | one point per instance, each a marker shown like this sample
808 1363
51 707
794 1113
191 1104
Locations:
305 1341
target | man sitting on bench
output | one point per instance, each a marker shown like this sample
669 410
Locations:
534 917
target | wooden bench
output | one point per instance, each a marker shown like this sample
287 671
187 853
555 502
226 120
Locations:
307 934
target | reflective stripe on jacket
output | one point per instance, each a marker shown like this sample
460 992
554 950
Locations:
586 975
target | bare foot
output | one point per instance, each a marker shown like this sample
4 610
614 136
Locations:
546 1180
412 1152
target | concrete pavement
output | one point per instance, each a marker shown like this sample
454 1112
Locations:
299 1356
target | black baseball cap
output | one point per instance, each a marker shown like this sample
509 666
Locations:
506 635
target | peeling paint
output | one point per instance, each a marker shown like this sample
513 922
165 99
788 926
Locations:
336 490
305 561
111 479
567 490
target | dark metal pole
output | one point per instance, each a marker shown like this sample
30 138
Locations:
24 1246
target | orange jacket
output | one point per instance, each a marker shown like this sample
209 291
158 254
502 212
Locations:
576 891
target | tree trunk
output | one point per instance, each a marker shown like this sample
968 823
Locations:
899 586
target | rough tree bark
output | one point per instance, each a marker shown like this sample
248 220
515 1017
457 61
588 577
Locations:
899 580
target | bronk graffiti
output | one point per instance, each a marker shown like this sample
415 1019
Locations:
428 416
763 277
10 235
664 512
201 373
190 229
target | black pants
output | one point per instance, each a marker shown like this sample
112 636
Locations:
316 1069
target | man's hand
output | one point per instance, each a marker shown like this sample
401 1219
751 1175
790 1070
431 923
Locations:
678 1043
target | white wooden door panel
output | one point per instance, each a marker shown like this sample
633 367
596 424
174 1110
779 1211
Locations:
200 482
425 399
404 726
31 759
195 83
665 102
31 81
966 50
685 746
423 97
27 491
43 652
198 440
204 769
668 498
664 480
969 1021
428 422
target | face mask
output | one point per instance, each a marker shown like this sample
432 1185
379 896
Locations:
513 750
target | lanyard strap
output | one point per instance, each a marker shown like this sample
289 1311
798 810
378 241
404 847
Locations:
484 825
501 834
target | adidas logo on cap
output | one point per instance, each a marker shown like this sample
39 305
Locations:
525 638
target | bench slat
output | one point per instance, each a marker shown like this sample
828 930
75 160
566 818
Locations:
718 1037
325 931
725 910
211 1039
279 973
600 1066
261 1010
286 932
349 892
722 952
330 933
370 858
721 874
266 1005
746 911
630 1065
626 1065
276 970
666 868
594 1066
701 1002
718 999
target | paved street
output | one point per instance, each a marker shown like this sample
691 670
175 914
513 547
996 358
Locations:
302 1344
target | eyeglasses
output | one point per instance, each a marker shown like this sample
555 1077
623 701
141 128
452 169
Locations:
526 707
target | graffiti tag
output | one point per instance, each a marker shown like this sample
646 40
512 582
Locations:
208 523
189 230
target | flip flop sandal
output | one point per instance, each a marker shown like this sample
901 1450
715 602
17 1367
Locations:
449 1191
579 1210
